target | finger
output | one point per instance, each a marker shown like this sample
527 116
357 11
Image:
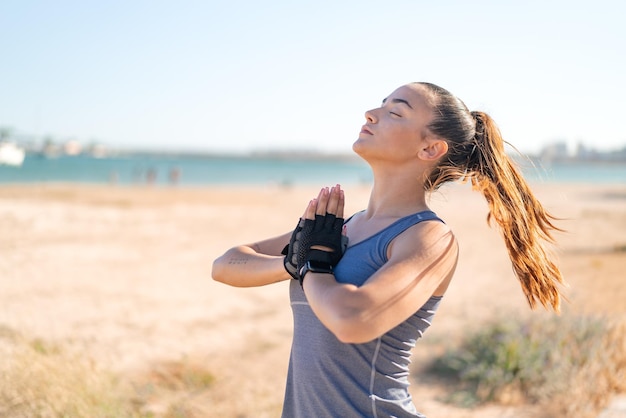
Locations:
322 201
309 212
341 204
333 201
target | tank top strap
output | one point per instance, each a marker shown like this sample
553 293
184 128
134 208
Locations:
392 231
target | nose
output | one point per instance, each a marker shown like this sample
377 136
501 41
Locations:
370 116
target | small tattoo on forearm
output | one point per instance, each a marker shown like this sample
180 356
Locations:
238 261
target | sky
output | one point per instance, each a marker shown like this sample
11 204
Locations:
238 76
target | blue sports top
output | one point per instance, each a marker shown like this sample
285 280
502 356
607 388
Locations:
328 378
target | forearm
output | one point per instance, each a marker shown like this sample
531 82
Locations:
243 267
338 306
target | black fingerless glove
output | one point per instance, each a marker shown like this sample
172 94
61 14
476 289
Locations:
325 231
291 252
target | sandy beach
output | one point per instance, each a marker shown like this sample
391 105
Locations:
121 276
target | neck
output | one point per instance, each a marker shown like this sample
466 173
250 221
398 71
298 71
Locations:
396 192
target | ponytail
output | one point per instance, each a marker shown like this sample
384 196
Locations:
476 153
525 225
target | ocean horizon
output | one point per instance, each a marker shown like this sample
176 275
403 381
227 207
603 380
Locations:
199 170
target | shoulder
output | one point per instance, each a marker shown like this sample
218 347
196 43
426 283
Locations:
431 238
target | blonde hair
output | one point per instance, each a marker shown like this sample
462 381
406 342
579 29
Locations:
476 153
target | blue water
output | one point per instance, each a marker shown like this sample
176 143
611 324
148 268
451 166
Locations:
192 170
205 170
595 173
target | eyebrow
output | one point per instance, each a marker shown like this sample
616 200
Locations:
399 101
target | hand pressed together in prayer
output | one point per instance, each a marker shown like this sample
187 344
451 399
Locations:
329 201
318 235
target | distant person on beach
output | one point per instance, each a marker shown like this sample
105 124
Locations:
364 290
174 176
151 176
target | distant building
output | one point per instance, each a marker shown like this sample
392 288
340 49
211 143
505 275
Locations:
584 153
97 151
72 147
558 152
554 152
50 149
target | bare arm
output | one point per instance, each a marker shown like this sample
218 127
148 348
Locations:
261 263
422 262
254 264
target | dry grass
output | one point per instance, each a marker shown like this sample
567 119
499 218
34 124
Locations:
597 379
41 379
175 389
570 365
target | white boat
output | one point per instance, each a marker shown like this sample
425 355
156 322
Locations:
11 154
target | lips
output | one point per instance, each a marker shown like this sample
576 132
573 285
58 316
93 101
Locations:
365 130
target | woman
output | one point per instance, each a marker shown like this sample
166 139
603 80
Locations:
358 311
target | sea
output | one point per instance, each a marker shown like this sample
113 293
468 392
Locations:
204 170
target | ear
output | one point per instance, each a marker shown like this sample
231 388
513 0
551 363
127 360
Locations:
433 149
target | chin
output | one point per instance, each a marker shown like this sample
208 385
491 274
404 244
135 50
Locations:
359 148
358 145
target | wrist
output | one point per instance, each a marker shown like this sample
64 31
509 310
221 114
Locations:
315 267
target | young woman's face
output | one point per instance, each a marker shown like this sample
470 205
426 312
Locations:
395 130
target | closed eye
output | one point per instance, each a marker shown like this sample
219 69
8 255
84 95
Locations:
395 114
